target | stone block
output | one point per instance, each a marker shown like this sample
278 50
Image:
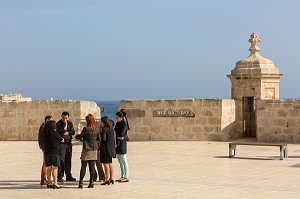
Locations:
170 103
198 103
207 113
287 138
212 103
128 104
291 122
279 122
189 121
140 136
196 129
135 113
289 131
200 120
217 137
294 113
177 121
33 122
154 103
208 129
214 121
144 129
155 129
282 113
185 103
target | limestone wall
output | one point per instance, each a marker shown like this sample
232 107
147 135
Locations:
278 121
172 119
21 120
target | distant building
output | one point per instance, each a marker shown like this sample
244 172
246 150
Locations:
12 97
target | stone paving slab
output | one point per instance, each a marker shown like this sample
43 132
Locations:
181 169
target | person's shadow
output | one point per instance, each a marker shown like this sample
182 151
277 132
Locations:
29 184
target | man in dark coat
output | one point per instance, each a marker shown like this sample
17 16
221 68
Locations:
66 130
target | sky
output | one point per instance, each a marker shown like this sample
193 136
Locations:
133 49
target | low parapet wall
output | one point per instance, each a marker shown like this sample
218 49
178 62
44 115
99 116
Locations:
278 121
180 119
21 120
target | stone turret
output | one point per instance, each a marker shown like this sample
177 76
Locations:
253 78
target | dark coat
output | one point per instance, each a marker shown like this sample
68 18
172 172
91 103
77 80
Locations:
51 142
89 138
41 136
121 131
70 129
108 142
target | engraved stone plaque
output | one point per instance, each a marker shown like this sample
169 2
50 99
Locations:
173 113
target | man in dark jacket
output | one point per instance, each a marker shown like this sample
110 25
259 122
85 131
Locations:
66 130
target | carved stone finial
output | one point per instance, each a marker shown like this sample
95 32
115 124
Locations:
254 39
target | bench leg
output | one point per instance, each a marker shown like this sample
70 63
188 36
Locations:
283 152
232 150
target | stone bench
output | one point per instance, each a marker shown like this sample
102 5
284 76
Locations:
283 148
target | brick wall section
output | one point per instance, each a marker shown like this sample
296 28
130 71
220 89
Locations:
214 119
278 121
21 120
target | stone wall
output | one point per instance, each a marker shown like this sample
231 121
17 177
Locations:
181 119
21 120
278 120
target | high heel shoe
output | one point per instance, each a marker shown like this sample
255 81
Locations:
56 187
112 182
106 183
49 186
91 185
80 186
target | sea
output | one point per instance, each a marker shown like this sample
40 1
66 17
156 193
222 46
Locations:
109 108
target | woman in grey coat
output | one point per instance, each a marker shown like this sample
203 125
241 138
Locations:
89 135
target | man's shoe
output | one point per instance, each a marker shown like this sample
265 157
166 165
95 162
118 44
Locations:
70 179
60 180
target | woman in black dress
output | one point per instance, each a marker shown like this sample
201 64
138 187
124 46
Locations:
108 149
52 139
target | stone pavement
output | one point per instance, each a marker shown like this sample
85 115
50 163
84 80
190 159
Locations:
180 169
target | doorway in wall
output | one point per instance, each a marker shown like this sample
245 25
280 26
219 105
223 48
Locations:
249 116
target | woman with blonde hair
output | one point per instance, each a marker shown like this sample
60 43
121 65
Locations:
89 136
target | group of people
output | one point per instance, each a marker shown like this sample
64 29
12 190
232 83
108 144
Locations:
101 143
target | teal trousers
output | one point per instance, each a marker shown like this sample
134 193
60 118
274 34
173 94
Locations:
123 165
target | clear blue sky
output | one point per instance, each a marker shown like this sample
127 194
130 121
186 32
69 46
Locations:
149 49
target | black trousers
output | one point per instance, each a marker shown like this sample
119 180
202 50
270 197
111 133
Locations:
99 168
83 170
65 153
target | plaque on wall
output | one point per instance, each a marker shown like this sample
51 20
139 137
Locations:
173 113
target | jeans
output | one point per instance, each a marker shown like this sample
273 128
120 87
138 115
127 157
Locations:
123 165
